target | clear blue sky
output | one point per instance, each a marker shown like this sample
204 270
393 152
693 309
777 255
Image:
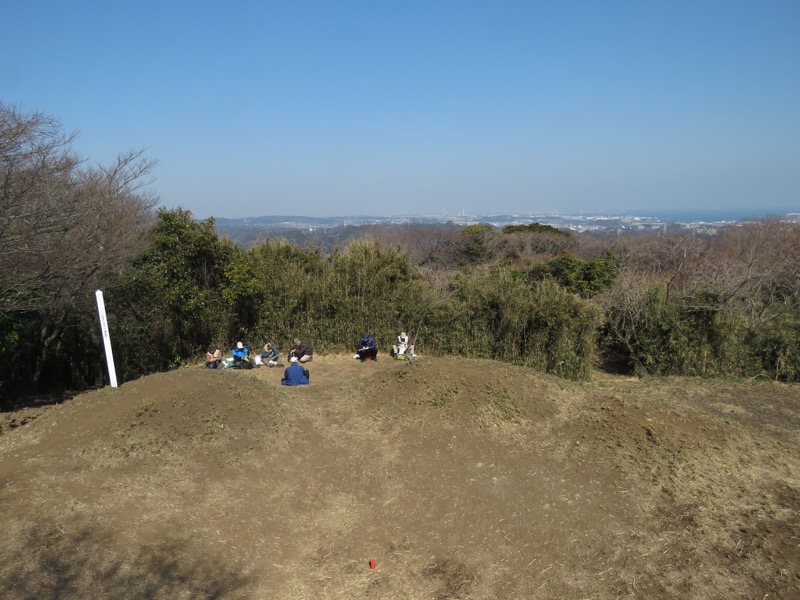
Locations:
349 107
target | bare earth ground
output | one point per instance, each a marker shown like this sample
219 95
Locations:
459 478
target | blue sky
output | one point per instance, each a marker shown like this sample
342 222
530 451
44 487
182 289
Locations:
439 106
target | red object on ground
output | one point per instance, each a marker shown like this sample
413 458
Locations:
371 563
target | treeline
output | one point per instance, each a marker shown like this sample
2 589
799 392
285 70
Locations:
191 287
529 294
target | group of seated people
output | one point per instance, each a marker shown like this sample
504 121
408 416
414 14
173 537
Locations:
240 358
402 348
301 352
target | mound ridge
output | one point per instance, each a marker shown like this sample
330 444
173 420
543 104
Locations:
460 478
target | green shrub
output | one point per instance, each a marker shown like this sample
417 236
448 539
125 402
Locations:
702 333
367 287
586 278
496 314
169 306
775 346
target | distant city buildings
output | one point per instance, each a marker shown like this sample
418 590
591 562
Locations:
252 228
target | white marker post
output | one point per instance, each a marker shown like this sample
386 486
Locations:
101 309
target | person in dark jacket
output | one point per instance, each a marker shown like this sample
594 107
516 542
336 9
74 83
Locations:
367 348
295 374
302 350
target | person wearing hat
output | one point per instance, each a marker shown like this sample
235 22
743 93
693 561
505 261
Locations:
403 346
295 374
241 356
367 348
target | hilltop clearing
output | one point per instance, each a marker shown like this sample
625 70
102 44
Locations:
459 478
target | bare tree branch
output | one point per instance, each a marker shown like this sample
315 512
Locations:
64 226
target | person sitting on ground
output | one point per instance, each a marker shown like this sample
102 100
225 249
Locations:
303 351
367 348
213 357
270 354
241 357
295 374
403 346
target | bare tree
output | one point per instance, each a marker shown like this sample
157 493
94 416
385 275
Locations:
65 227
62 225
431 246
757 265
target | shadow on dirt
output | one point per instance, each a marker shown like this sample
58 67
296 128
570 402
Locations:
80 563
456 580
12 402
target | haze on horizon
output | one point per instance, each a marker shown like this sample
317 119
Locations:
354 107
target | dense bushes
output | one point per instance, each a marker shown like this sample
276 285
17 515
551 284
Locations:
587 278
170 304
497 314
666 336
287 291
724 306
189 288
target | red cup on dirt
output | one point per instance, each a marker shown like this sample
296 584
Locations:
371 563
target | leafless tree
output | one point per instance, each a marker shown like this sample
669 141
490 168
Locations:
430 246
65 226
757 265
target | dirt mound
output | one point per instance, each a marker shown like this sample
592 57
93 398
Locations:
459 478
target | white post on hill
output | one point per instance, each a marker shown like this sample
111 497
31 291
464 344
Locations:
101 309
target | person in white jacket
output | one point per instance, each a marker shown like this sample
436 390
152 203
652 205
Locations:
403 346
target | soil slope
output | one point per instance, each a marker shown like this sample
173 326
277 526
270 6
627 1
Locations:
458 478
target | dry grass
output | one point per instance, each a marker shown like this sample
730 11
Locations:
461 479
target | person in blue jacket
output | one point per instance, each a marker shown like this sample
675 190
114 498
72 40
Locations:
241 356
367 348
295 374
